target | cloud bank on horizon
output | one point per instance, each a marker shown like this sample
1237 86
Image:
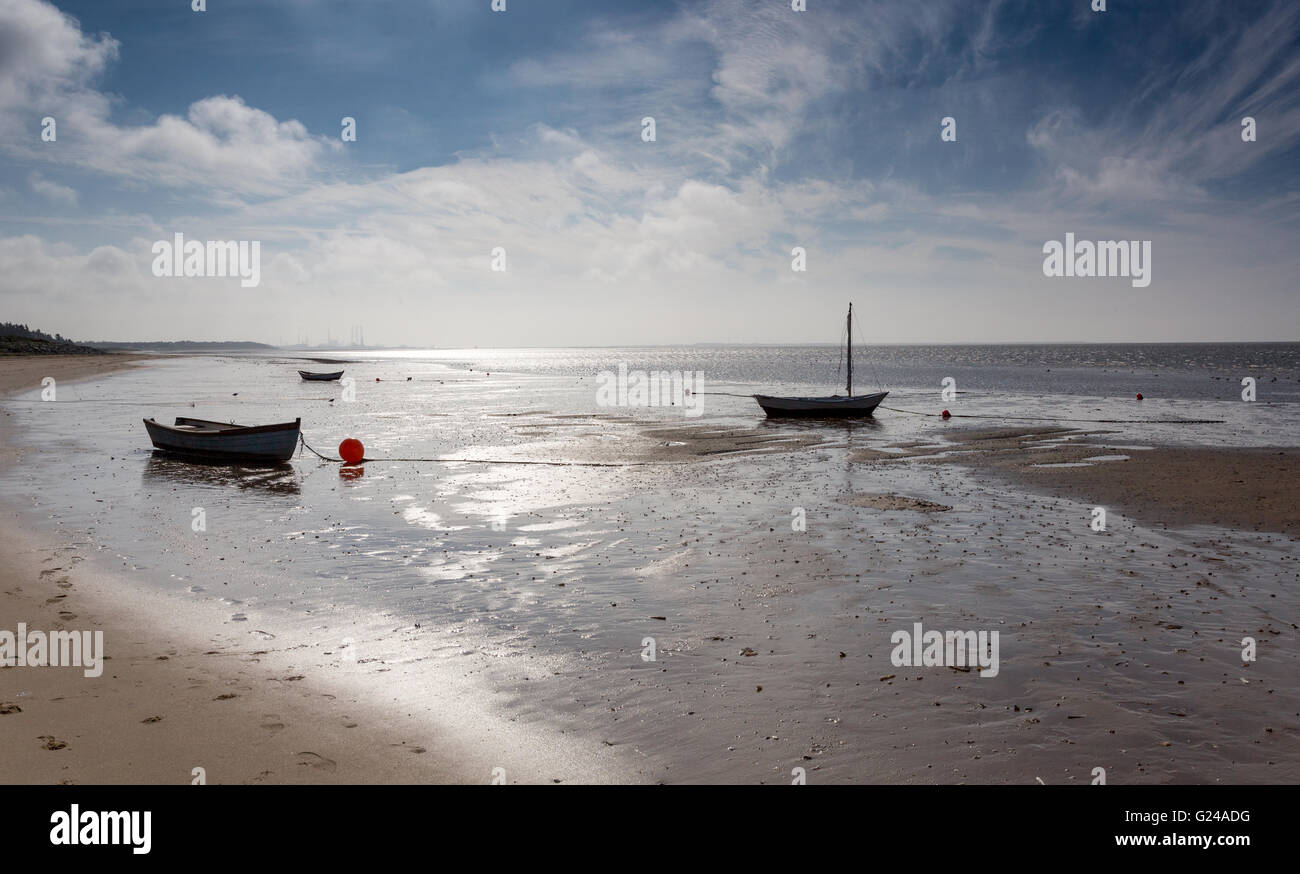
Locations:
523 131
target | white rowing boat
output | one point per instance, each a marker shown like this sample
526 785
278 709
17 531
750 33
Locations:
221 441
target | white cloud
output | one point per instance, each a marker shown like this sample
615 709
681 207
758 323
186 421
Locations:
44 56
48 67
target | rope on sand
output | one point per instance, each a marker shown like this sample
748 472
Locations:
1027 418
1052 419
308 447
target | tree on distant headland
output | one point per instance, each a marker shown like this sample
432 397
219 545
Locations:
9 329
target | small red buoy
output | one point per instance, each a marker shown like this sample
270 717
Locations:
947 415
376 379
351 450
1139 395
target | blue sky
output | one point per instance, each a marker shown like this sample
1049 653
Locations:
775 128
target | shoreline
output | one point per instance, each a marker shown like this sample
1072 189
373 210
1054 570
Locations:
74 729
166 702
18 373
181 689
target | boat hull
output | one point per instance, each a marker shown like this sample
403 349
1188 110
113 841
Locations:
320 377
217 441
856 407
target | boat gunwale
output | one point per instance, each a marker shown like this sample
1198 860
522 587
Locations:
225 429
832 399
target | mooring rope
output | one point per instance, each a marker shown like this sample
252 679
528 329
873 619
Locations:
308 447
1054 419
305 445
1026 418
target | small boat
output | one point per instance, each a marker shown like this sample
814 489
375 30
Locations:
320 377
848 406
222 441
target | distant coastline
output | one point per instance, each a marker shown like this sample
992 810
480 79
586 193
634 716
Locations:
12 345
183 346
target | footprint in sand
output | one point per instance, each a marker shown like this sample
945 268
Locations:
66 616
7 708
317 761
51 743
414 749
64 583
225 696
272 723
151 719
56 599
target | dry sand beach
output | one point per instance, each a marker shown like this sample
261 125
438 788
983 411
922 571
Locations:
770 645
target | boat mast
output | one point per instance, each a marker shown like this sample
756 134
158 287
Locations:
850 353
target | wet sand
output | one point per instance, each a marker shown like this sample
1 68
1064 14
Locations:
1245 489
1120 648
1248 489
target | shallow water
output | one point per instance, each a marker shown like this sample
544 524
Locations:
546 581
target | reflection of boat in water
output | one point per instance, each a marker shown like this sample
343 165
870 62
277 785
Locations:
165 471
833 407
222 441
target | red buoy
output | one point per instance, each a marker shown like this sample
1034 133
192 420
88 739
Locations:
351 450
1139 395
947 415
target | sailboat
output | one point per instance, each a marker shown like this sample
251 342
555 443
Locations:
845 406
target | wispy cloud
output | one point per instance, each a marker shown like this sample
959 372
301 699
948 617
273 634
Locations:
51 190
